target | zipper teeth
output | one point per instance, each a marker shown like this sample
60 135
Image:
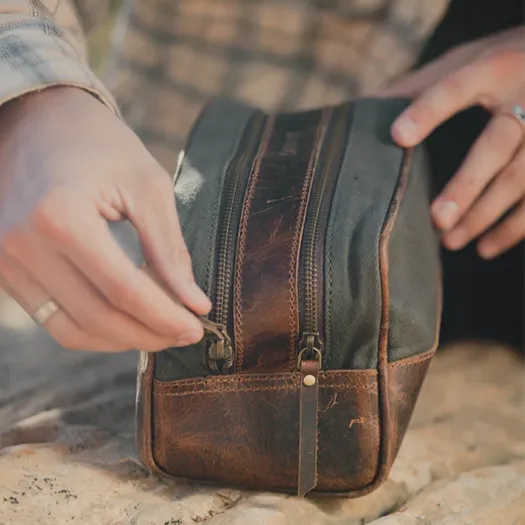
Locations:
311 274
224 274
312 237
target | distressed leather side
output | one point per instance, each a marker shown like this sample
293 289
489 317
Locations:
242 430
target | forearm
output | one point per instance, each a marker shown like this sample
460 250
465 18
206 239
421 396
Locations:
41 45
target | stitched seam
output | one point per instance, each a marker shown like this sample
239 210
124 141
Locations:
258 389
351 374
234 388
299 228
229 380
413 360
365 371
218 387
226 391
384 239
237 379
237 388
254 176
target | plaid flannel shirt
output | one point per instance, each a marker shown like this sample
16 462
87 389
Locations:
41 45
168 57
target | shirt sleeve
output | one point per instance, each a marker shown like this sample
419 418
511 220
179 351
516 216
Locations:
42 45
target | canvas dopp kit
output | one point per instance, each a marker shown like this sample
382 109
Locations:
311 234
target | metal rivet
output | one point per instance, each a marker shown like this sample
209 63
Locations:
309 380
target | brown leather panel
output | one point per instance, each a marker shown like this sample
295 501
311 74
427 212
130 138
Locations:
405 379
266 320
243 430
233 439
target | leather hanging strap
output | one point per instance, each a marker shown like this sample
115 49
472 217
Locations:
308 401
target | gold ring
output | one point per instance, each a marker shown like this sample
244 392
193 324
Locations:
45 312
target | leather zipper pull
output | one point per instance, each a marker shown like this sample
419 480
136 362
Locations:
308 406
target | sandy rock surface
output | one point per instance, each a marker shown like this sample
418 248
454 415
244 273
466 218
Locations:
67 455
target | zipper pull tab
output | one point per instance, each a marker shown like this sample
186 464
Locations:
311 348
309 364
219 355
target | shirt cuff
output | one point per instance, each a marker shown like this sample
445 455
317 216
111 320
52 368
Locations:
33 57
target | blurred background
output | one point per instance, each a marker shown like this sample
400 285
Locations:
163 58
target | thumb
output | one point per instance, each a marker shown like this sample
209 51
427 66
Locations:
151 209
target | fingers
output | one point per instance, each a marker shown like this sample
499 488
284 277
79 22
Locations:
31 296
437 103
89 309
155 218
506 235
84 238
492 151
491 206
505 192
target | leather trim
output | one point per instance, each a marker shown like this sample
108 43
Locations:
383 386
389 440
250 440
405 379
238 382
266 318
241 243
409 361
308 427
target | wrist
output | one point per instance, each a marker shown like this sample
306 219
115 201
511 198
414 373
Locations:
48 97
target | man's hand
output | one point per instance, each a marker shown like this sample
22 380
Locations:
67 166
491 181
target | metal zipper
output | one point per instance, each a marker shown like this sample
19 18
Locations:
312 337
220 348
